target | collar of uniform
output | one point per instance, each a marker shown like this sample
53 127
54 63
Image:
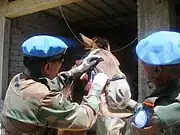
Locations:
42 80
170 87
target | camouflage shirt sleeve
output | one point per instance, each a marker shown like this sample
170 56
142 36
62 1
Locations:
116 126
57 112
109 125
130 129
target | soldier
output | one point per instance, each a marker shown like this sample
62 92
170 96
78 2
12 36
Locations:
159 113
34 100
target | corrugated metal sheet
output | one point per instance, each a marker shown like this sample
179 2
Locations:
96 13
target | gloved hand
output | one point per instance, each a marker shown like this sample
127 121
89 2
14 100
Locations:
87 63
98 84
93 98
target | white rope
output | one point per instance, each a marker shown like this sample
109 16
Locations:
120 49
125 46
69 26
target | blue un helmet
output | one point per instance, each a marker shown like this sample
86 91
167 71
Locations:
160 48
43 47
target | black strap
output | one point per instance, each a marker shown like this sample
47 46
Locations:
117 77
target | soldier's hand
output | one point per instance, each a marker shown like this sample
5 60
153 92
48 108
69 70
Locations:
98 84
89 61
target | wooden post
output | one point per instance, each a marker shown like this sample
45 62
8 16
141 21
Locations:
4 53
153 15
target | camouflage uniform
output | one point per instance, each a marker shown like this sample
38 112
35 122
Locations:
30 106
167 107
35 107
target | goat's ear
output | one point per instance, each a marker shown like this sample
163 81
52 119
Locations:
88 43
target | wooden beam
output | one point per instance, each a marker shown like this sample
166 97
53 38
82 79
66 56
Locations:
124 5
23 7
3 2
112 18
97 17
4 54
